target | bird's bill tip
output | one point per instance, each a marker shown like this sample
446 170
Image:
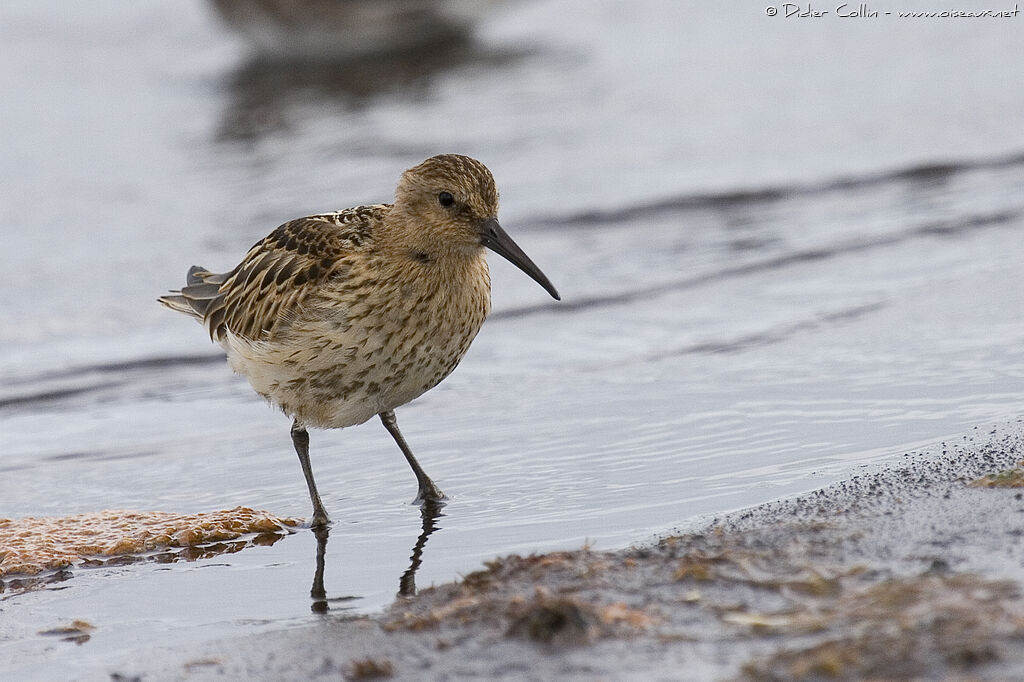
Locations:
494 237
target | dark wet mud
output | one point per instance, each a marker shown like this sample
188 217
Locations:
911 571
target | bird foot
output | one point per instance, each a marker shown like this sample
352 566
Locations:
430 494
319 520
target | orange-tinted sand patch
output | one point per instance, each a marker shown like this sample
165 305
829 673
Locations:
31 545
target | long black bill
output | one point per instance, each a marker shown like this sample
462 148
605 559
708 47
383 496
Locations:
497 240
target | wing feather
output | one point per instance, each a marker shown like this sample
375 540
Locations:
277 274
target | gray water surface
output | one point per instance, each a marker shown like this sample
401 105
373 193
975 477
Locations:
786 251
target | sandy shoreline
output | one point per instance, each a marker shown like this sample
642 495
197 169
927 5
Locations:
908 572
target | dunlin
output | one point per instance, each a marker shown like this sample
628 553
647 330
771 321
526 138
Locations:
341 316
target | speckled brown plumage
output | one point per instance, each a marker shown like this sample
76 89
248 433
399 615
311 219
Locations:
340 316
281 270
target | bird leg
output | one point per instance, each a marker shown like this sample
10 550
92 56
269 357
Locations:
428 491
300 438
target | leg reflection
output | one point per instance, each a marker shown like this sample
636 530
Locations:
430 512
318 593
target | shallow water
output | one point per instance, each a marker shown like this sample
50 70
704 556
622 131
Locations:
775 269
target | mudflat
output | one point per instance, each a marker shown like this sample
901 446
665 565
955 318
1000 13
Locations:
912 570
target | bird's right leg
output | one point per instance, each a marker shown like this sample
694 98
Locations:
300 438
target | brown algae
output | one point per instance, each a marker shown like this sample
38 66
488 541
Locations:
78 631
32 545
369 669
1010 478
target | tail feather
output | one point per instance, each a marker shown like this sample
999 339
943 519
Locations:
201 288
200 292
195 275
179 304
198 275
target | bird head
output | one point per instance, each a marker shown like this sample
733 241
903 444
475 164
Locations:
453 201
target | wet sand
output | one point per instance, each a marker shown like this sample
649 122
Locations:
909 571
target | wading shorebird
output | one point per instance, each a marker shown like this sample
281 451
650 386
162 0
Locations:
341 316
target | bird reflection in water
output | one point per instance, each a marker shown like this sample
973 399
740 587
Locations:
308 54
266 97
332 29
430 512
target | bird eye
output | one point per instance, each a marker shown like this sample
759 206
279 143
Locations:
445 199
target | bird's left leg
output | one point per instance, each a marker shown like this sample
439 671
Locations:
428 491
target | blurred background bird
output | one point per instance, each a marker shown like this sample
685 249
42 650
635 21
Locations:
332 29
